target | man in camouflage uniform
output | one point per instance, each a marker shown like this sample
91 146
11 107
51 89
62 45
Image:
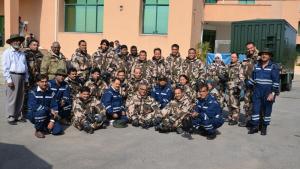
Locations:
174 112
158 66
174 64
121 61
81 60
134 81
133 54
89 114
53 61
103 57
124 83
193 67
95 83
34 60
74 82
248 64
143 110
144 64
234 84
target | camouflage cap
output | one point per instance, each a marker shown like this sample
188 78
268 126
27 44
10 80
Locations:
61 72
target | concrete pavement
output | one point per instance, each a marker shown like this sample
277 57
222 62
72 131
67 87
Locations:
132 148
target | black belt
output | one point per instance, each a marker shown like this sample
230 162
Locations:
17 73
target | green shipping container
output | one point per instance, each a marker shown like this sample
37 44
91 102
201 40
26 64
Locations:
276 34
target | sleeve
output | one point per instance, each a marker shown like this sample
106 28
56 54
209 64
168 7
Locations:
213 109
6 67
106 102
250 82
31 103
54 104
74 62
275 76
152 93
26 68
45 64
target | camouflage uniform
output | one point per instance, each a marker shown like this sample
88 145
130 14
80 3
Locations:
145 67
88 113
175 111
34 61
217 74
121 62
51 63
103 60
234 84
219 96
194 69
81 61
124 89
248 65
188 90
174 67
75 86
97 88
133 85
157 69
144 109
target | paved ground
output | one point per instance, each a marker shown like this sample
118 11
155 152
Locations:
137 148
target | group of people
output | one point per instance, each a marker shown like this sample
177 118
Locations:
114 86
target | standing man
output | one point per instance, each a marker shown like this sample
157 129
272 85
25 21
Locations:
15 72
265 82
234 84
81 60
54 61
158 66
248 64
103 57
121 61
34 60
143 64
174 62
193 67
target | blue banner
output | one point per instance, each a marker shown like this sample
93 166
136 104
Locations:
225 57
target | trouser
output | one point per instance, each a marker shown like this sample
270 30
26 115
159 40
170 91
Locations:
15 96
147 118
262 109
41 119
120 116
209 124
233 105
248 103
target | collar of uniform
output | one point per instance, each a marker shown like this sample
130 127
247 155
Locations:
39 89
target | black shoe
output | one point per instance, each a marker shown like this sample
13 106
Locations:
135 123
179 130
242 124
22 120
253 130
263 130
12 122
232 122
211 136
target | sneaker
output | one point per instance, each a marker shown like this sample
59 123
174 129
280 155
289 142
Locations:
242 124
11 120
232 123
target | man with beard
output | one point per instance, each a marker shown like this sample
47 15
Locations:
133 54
74 82
15 73
53 61
81 60
34 60
103 57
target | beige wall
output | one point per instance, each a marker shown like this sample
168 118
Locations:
2 7
126 27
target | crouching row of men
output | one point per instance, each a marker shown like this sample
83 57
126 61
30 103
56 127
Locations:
49 105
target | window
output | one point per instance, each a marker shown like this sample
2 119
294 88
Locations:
247 1
156 14
211 1
84 15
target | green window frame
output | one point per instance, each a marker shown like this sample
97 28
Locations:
210 1
247 2
155 17
84 16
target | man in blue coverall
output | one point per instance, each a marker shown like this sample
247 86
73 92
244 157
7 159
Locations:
265 82
208 113
162 92
43 109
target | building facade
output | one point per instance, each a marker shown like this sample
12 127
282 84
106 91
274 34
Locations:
145 23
